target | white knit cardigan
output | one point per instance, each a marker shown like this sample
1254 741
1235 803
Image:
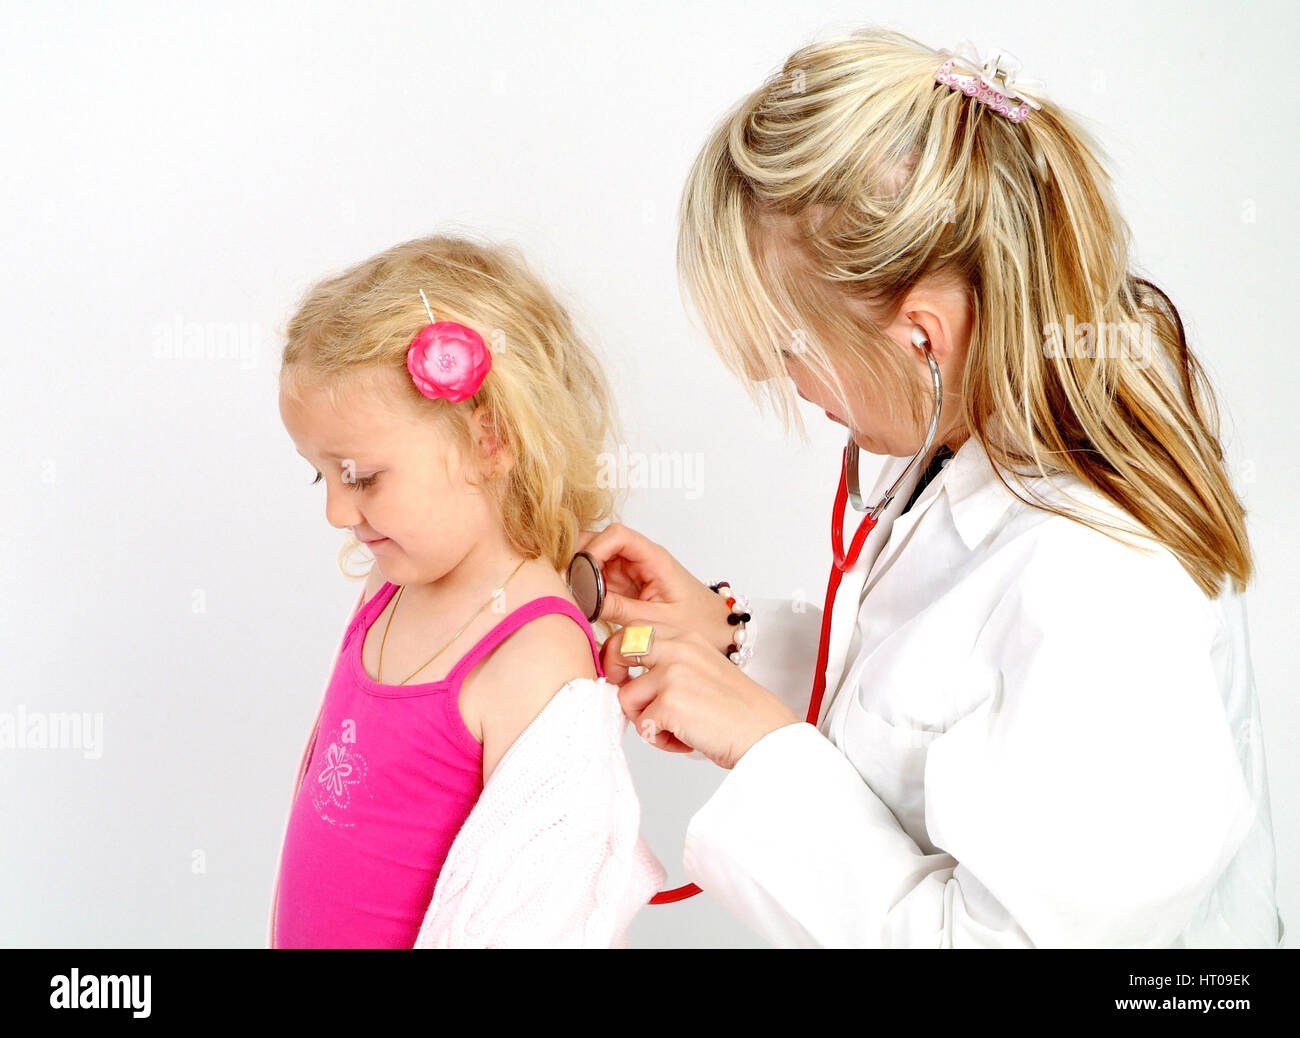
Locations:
551 856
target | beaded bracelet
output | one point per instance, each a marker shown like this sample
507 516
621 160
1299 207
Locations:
741 648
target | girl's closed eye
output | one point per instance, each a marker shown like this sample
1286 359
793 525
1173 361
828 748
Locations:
363 483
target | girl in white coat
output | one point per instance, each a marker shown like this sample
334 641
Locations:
1040 725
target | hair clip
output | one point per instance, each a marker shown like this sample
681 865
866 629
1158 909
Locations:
447 360
991 81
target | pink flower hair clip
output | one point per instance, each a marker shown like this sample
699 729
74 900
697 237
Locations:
991 81
447 360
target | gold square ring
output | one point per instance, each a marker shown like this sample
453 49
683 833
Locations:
637 640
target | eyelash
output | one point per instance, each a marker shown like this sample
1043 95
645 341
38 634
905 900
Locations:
360 484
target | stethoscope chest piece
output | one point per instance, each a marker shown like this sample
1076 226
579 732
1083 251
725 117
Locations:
587 584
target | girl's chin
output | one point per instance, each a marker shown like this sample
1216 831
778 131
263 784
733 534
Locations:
862 440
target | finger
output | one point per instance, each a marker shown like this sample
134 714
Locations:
635 694
670 743
617 540
621 577
652 729
614 568
621 610
645 689
616 666
663 740
675 745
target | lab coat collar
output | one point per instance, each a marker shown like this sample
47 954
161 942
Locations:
976 496
977 499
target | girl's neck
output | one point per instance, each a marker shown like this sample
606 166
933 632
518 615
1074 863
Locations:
470 583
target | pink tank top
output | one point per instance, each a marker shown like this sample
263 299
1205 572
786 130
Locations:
392 773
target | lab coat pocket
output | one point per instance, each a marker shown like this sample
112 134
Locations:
891 760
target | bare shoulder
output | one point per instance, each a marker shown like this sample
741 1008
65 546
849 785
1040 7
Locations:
534 662
553 642
522 676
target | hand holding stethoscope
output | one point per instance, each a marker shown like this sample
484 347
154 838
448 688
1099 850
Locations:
624 578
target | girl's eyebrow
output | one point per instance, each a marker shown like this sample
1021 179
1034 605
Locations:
332 457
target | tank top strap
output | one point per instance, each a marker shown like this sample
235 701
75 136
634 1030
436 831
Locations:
529 611
370 609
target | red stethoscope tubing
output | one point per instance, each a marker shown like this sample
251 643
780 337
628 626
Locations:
667 897
843 561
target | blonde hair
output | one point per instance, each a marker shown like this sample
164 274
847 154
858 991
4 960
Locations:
892 178
546 395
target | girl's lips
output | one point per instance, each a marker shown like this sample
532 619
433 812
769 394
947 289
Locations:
833 418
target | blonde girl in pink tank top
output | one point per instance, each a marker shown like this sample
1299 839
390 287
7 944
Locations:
442 396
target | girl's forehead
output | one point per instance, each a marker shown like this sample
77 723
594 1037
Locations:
350 404
348 419
359 421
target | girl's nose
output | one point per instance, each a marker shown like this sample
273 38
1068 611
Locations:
340 513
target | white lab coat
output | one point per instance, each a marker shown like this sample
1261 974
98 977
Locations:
1042 737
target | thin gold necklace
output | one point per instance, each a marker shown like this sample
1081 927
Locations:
491 599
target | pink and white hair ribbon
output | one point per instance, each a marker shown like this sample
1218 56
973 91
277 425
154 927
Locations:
991 80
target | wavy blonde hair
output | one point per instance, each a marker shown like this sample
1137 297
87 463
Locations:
892 178
546 395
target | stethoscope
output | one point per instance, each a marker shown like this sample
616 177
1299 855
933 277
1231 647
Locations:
850 490
588 583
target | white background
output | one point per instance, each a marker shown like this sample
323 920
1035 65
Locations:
169 564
